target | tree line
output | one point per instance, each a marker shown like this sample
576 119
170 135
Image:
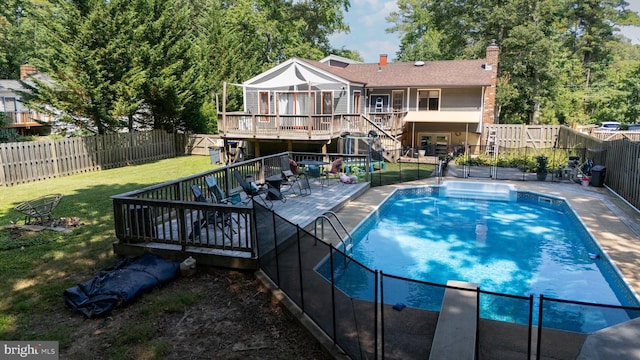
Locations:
561 61
160 64
119 64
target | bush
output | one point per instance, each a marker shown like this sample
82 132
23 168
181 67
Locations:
525 163
542 164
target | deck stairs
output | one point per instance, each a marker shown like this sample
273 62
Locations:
390 142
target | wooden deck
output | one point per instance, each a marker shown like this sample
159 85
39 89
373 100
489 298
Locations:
329 195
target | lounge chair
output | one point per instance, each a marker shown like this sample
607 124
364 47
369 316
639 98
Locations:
39 208
303 185
289 176
252 191
218 195
212 217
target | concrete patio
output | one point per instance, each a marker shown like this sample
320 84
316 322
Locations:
612 222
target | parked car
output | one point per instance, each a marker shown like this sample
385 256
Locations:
633 127
609 125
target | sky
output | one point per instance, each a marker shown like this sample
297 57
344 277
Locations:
367 19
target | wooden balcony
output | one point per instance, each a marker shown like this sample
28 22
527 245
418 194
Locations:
304 127
26 119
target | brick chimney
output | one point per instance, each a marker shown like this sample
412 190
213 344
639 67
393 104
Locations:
383 60
491 64
26 70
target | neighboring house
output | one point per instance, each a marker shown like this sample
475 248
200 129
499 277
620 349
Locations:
434 106
22 118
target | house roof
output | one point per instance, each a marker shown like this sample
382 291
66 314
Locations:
16 85
10 85
447 73
292 72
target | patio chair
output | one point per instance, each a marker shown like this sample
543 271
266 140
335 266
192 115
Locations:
303 185
289 173
334 170
252 191
569 171
210 217
218 195
39 208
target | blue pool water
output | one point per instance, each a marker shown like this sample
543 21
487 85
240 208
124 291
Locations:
534 245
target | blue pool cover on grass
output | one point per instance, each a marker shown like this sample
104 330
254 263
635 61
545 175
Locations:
120 284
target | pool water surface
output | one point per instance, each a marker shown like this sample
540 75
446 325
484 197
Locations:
535 245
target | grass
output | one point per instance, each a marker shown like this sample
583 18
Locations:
39 266
394 173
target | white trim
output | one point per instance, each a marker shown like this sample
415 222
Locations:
291 68
418 90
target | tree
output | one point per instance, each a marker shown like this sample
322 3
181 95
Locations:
156 63
175 86
539 81
7 135
19 35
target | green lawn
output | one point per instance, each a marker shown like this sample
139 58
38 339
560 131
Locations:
401 172
39 266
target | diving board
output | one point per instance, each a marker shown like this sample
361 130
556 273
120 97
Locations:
455 336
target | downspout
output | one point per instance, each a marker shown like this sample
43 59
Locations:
481 127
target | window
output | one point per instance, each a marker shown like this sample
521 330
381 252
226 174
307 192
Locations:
356 102
428 100
8 104
327 102
380 103
398 97
295 103
263 107
434 144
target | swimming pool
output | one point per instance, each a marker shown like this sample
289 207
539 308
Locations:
527 243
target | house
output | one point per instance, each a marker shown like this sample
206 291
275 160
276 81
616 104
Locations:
21 118
434 106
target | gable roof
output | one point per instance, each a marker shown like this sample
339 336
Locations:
446 73
292 72
16 85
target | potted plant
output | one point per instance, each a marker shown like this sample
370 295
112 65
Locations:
542 164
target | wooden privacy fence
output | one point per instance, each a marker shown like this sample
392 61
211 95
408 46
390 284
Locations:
23 162
621 161
623 169
521 135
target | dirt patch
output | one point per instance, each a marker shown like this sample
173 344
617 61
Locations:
226 315
63 224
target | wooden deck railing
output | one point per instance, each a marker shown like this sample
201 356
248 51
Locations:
304 127
167 215
26 118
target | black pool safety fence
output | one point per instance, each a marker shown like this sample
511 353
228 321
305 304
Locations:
300 265
371 315
492 162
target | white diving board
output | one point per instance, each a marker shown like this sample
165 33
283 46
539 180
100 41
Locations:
455 336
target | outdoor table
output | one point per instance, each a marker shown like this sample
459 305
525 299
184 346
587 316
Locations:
308 163
312 162
316 163
274 181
